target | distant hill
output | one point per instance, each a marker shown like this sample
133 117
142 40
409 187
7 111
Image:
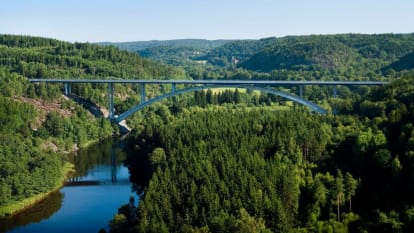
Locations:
172 55
176 52
348 54
194 43
331 52
299 53
235 52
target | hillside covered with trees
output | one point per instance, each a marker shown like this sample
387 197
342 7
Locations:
175 52
246 169
229 160
38 125
342 56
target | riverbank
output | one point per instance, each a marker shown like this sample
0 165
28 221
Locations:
19 206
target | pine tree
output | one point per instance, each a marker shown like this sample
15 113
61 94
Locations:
339 192
351 185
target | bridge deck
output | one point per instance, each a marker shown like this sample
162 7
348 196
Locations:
212 82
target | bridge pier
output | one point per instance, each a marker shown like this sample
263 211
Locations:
334 92
142 93
111 107
68 89
300 91
173 87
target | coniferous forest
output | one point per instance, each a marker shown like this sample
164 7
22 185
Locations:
223 160
235 169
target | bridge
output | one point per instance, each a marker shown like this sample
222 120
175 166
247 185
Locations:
196 85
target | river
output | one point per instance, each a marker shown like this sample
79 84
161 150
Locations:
89 199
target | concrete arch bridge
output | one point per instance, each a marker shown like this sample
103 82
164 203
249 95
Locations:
196 85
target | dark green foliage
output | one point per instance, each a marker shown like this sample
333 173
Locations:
233 170
275 169
380 152
404 63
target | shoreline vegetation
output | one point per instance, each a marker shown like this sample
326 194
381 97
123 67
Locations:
22 205
17 207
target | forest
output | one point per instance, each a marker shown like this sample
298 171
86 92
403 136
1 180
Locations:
39 126
229 168
224 160
321 57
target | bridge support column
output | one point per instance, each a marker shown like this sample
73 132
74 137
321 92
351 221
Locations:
334 92
173 88
301 91
111 108
67 89
142 93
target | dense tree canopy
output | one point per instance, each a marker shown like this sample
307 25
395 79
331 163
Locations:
229 160
225 169
39 126
342 56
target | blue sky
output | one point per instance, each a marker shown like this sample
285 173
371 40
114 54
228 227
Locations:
132 20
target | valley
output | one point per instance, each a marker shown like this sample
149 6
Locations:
228 160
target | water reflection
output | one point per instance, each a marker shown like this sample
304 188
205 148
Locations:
106 153
90 198
37 213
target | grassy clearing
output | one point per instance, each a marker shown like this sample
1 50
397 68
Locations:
223 89
274 107
19 206
88 143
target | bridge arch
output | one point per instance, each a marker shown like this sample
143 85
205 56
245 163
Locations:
294 98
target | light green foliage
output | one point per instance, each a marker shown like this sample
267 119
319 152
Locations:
118 223
396 167
390 222
157 156
350 187
248 224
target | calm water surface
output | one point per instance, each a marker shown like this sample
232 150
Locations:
88 201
